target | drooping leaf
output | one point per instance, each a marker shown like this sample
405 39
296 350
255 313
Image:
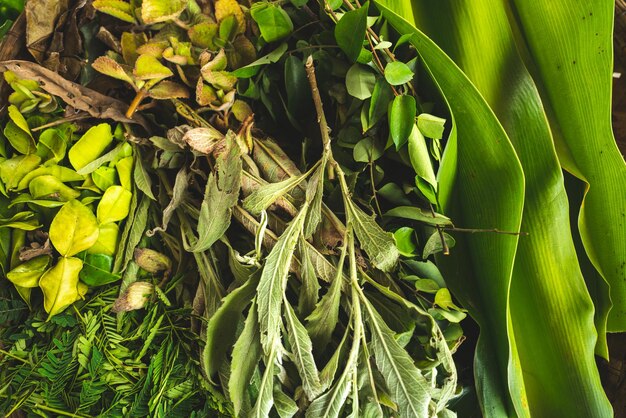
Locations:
73 229
60 285
302 353
274 281
350 31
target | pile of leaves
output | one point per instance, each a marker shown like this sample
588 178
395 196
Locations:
219 271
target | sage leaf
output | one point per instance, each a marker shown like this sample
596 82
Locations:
285 406
114 205
245 357
73 229
408 387
141 177
221 328
274 281
263 197
60 285
378 244
302 353
265 397
220 195
350 31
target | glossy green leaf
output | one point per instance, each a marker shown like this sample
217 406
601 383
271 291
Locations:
496 195
405 241
28 273
430 126
401 119
107 240
60 285
367 151
398 73
13 170
379 103
104 177
63 174
114 205
73 229
360 82
96 270
420 215
52 145
90 145
420 158
124 169
350 31
274 23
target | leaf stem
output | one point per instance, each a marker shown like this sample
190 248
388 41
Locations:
132 108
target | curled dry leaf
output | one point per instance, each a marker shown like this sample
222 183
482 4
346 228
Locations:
79 97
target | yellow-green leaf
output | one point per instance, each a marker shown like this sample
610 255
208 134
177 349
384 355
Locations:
114 205
60 285
50 187
90 145
155 11
73 229
107 240
28 273
148 67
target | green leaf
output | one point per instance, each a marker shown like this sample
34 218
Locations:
379 103
274 282
141 178
405 241
265 397
13 170
52 145
420 158
50 187
350 31
263 197
420 215
148 67
107 240
60 285
96 270
302 353
63 174
378 244
253 68
360 82
274 23
124 169
108 66
398 73
220 196
18 132
367 150
114 205
28 273
112 155
117 8
245 357
430 126
155 11
73 229
401 119
408 387
221 328
285 406
314 195
90 145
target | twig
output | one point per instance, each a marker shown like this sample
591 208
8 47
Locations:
61 121
319 108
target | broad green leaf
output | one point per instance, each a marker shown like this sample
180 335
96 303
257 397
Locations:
28 273
63 174
13 170
18 133
378 244
107 240
401 119
124 169
398 73
405 241
141 177
430 126
273 282
104 177
350 31
574 60
112 155
90 145
263 197
52 145
73 229
220 196
420 215
360 82
60 285
274 23
420 157
221 328
302 353
379 103
409 388
114 205
155 11
50 187
96 270
367 150
148 67
245 357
